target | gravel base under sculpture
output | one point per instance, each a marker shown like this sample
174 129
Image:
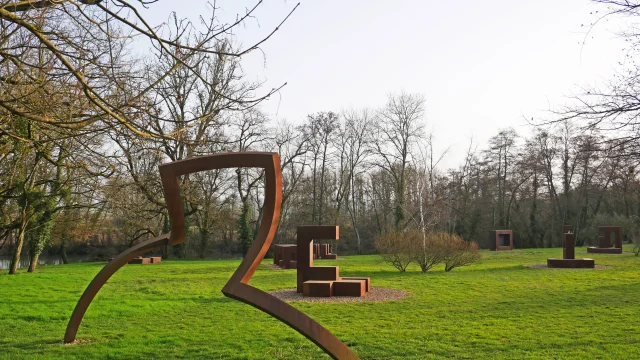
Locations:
544 266
375 295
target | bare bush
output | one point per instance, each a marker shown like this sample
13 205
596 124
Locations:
459 252
396 247
431 250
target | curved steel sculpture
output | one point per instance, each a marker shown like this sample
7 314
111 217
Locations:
237 287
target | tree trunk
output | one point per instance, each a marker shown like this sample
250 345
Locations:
203 242
400 202
33 262
15 260
63 251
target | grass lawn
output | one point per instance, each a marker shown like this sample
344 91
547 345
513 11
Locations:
498 309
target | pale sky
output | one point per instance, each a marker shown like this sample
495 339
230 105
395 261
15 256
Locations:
481 65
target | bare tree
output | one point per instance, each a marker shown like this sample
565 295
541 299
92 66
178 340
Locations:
357 148
398 127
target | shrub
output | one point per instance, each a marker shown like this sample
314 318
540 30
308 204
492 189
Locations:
400 248
395 247
459 252
430 250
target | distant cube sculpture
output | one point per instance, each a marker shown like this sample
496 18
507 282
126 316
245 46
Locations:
501 240
323 280
144 260
604 241
238 286
285 255
140 260
569 260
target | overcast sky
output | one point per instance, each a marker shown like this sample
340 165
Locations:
481 65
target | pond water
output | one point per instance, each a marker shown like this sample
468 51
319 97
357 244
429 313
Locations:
5 261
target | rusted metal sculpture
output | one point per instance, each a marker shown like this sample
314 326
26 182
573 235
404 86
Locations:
569 260
604 241
237 287
306 270
323 281
285 255
501 240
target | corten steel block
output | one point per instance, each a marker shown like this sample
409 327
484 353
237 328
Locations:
606 232
317 288
367 285
276 255
566 229
569 248
293 264
349 288
501 240
139 260
282 251
596 250
286 258
237 287
604 241
331 257
326 273
585 263
155 259
305 236
324 250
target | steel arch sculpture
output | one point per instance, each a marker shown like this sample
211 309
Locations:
237 287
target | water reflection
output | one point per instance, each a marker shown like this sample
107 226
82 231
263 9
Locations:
5 261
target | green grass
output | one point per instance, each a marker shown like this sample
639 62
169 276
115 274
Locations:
498 309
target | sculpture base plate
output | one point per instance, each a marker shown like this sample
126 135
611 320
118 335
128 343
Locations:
585 263
597 250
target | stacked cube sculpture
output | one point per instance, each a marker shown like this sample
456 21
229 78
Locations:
323 281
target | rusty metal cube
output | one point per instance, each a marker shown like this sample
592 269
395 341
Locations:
367 285
323 273
314 288
349 288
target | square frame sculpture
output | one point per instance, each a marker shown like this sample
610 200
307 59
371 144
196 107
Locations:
497 240
604 241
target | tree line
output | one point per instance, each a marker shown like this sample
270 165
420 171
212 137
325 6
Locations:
85 122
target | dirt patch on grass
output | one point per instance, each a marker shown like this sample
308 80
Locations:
375 295
544 266
76 342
